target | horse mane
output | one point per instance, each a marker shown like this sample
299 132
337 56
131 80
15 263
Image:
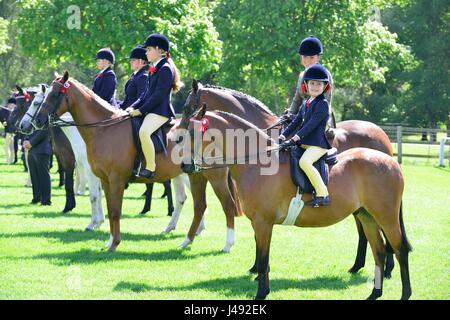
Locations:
243 96
247 123
94 96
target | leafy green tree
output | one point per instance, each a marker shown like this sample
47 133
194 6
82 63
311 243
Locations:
261 40
76 33
424 25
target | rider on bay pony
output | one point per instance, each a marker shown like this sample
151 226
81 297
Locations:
312 120
105 82
155 102
137 83
310 51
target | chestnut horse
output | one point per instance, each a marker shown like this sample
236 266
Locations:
112 151
348 134
363 179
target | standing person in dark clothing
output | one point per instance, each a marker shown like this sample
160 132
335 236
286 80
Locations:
40 150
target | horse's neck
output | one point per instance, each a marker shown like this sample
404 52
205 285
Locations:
227 102
88 110
85 109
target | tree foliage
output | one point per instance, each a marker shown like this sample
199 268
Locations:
49 31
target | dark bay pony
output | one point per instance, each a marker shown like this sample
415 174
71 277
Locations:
112 151
61 145
363 179
348 134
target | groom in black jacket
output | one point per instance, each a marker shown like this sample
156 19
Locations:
39 155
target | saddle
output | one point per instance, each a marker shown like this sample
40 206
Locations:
300 179
159 139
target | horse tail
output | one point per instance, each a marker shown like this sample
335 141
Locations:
405 243
234 195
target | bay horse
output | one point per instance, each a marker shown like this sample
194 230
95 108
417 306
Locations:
61 145
363 179
112 151
347 134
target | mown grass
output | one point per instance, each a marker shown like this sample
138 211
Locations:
45 254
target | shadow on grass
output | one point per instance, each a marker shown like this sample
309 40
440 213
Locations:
15 205
57 213
71 236
87 256
244 285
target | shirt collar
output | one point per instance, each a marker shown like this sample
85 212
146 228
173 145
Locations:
156 63
104 70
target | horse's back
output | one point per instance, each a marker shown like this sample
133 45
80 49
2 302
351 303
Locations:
372 168
358 133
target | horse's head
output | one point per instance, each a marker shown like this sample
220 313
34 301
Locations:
25 125
23 101
56 102
192 104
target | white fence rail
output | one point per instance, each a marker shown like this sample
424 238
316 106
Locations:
420 143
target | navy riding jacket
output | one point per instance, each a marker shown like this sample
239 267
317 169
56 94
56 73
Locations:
312 121
135 87
105 84
156 98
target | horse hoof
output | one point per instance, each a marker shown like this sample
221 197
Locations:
387 275
227 248
185 243
144 211
355 269
90 227
376 293
169 229
263 295
170 212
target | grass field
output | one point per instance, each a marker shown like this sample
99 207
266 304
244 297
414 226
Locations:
46 255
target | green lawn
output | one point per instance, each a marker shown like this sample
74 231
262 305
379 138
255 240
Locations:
46 255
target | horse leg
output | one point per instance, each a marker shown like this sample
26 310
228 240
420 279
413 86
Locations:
95 197
148 198
389 261
165 189
114 198
168 193
70 195
60 171
263 234
360 259
397 238
374 235
198 189
220 187
180 198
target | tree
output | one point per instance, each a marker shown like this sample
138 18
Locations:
261 40
424 25
76 33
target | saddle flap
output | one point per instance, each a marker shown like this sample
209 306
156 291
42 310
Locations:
299 178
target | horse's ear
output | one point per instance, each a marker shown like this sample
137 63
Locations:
65 76
43 88
202 112
19 89
194 85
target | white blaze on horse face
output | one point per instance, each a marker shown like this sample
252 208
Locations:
35 104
